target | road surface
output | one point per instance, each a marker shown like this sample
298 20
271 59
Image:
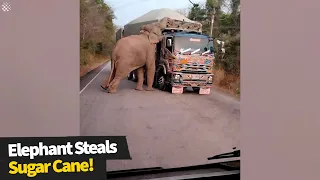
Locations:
163 130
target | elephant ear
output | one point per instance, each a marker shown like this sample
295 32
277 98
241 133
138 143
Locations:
144 32
150 30
153 38
147 27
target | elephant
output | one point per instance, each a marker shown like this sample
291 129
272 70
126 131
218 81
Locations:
133 53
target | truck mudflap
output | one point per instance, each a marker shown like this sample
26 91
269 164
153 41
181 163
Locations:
204 90
201 90
177 90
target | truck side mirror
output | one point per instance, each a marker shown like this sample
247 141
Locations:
169 42
211 49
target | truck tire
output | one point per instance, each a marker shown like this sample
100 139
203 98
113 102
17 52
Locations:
129 76
196 89
161 80
134 76
169 88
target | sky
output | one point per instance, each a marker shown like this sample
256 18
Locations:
128 10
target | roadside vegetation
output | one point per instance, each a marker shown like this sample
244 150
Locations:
97 34
226 27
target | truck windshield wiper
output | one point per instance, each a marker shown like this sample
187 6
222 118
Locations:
195 51
182 51
235 153
206 52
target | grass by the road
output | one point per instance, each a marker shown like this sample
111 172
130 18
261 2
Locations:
227 83
93 61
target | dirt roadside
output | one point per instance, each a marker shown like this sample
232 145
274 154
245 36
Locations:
227 83
94 62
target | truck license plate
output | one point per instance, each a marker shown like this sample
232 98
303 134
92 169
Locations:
195 76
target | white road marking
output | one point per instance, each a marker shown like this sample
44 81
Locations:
94 77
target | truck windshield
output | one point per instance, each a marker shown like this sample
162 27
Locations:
185 44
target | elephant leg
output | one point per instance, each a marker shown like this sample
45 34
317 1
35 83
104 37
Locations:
114 84
150 77
140 72
122 72
105 84
109 78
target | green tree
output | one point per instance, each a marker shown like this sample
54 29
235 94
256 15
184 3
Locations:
197 13
96 29
226 27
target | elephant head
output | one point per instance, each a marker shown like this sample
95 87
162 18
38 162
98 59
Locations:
153 31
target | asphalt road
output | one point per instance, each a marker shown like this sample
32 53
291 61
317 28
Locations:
162 129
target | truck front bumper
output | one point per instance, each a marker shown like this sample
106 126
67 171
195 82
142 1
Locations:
191 80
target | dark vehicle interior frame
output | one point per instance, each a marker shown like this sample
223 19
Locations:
227 166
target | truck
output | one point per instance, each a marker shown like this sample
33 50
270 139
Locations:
184 57
119 34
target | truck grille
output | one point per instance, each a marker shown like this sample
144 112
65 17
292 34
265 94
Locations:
194 80
195 77
194 84
193 68
194 71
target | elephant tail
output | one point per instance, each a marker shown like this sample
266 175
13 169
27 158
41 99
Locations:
112 74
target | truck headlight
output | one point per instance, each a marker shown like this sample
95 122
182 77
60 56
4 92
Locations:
177 78
181 79
210 78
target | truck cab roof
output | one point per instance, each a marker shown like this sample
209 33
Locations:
186 34
194 35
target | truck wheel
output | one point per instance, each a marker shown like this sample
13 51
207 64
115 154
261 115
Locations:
129 76
145 78
134 77
161 81
169 88
196 89
155 84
